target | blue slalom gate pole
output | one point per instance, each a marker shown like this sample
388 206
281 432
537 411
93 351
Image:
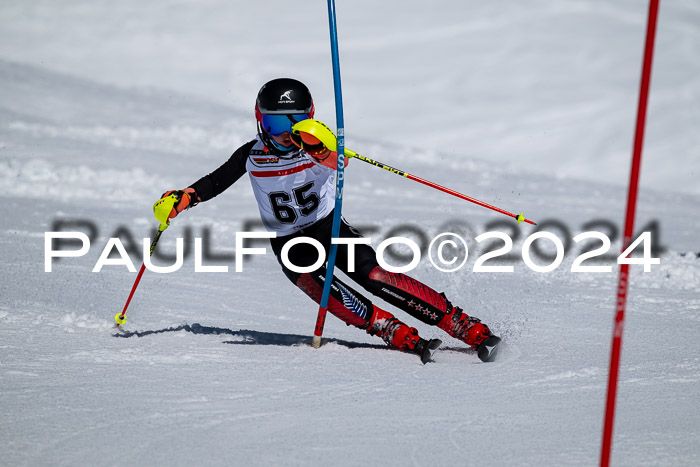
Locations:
323 308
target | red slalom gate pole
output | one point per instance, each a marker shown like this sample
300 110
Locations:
623 281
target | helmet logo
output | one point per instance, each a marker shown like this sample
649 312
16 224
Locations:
286 97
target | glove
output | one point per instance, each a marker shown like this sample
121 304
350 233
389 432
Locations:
173 202
328 158
314 146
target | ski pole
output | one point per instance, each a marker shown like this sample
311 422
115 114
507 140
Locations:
162 210
120 318
326 136
518 217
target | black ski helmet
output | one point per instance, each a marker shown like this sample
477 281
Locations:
282 96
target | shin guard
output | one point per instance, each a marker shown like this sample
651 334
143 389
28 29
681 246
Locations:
412 296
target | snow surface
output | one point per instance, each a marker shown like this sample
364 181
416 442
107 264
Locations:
105 106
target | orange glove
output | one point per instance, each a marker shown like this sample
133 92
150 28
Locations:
316 149
187 198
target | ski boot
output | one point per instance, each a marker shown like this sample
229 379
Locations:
471 331
398 334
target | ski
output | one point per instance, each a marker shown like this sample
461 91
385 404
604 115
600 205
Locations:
429 347
488 350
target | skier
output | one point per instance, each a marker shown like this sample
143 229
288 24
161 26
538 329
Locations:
295 191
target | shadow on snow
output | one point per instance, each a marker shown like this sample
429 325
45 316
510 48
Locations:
248 337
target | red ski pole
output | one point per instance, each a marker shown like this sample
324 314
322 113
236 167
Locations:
162 209
120 318
325 135
381 165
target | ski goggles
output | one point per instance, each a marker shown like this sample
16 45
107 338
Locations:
276 124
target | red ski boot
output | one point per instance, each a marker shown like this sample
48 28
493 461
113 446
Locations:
399 335
471 331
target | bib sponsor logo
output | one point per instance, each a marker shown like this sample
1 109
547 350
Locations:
266 160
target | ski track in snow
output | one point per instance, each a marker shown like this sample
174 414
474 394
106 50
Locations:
216 369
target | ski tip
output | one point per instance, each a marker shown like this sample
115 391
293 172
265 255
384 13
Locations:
429 349
488 350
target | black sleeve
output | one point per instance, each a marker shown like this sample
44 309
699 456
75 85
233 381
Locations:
219 180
